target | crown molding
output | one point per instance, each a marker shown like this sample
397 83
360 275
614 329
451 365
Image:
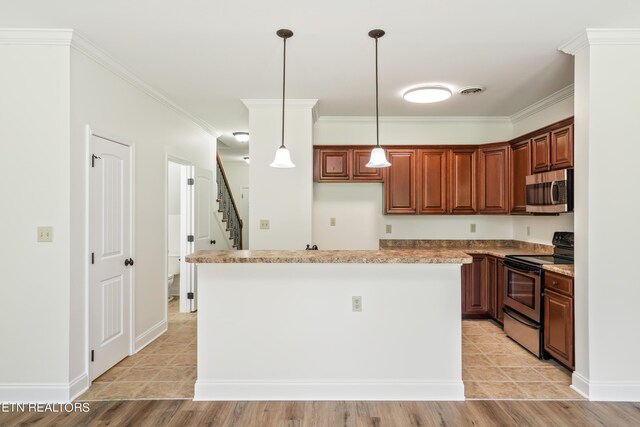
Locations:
554 98
289 103
90 50
69 37
601 36
416 119
36 36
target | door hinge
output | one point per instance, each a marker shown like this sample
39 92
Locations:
92 258
93 160
92 354
191 181
189 295
190 238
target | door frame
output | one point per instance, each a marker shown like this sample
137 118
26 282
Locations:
90 132
189 167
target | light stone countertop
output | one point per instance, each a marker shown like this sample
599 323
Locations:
388 256
564 269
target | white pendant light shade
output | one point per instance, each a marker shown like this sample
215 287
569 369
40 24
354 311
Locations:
378 159
283 159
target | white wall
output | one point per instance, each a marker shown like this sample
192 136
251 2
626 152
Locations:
34 187
282 196
607 234
106 101
545 116
174 184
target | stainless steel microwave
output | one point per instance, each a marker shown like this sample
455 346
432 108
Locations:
550 192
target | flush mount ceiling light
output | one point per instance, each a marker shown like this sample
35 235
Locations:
241 137
378 157
283 158
427 94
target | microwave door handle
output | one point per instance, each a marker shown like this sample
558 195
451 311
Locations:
553 184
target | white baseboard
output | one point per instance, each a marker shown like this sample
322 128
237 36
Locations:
78 386
246 390
44 393
148 336
606 391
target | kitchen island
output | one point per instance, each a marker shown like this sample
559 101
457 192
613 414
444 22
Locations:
288 325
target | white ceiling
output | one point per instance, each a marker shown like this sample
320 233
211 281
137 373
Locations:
206 55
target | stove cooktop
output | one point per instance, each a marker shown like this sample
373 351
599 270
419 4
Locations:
541 259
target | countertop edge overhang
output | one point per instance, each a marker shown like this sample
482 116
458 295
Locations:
403 256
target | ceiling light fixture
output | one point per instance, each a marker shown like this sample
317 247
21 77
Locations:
378 157
283 158
427 94
241 137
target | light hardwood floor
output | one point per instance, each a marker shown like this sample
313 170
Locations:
264 414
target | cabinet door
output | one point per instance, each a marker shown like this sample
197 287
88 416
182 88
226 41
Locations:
540 153
400 182
332 165
474 289
462 181
493 194
520 168
558 327
362 173
432 184
492 286
562 148
500 291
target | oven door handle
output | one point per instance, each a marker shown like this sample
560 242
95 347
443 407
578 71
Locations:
518 318
553 184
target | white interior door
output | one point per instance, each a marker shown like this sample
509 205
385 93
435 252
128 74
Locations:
110 241
204 198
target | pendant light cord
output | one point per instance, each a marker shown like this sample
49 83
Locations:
284 71
377 125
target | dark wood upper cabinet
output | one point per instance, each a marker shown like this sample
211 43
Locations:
462 181
493 179
520 166
433 181
540 153
562 148
332 164
400 182
360 171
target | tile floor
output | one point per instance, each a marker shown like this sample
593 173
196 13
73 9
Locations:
165 369
495 367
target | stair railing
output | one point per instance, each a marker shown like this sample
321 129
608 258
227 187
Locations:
227 206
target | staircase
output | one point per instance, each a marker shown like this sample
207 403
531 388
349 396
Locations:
227 207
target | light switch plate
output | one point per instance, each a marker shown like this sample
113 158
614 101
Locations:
264 224
388 228
45 234
473 228
332 222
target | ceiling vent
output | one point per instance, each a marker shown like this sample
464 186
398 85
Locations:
471 90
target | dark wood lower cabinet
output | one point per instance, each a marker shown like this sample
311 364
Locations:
483 288
558 327
474 288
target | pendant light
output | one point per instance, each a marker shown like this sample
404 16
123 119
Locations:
283 158
378 157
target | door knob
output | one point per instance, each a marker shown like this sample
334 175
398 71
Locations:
128 262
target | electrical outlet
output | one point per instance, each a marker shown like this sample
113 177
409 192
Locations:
356 303
264 224
45 234
528 230
388 228
332 222
473 228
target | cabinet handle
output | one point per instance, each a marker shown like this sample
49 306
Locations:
555 282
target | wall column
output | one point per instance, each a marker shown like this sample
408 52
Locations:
284 197
607 201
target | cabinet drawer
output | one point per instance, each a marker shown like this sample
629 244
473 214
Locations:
558 283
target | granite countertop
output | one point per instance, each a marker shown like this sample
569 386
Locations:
496 248
390 256
564 269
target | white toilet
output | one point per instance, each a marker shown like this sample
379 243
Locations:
173 268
